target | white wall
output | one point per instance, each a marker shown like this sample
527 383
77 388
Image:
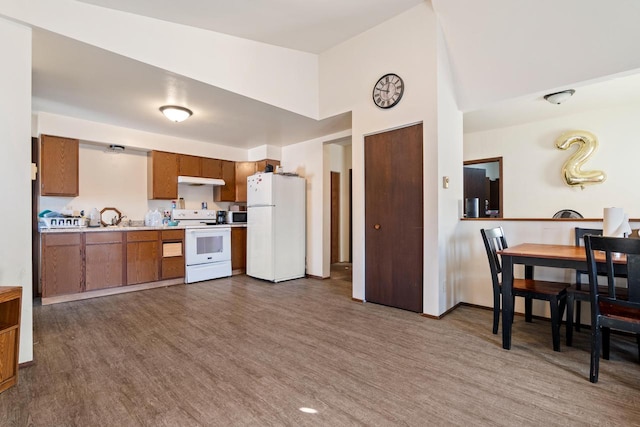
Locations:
278 76
347 75
15 171
532 182
307 159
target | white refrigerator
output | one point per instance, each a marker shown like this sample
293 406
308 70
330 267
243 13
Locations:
276 232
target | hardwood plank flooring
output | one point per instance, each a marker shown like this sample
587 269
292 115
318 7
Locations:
239 351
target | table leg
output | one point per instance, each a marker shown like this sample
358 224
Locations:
507 301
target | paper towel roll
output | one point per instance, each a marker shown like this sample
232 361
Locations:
616 223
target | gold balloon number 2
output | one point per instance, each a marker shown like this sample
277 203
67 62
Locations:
587 145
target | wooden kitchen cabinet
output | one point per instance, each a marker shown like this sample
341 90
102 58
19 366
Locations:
211 168
59 166
227 193
62 257
142 257
104 260
172 263
261 165
162 175
189 165
238 249
243 170
10 306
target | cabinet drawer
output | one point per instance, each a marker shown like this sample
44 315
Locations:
172 235
105 237
172 267
62 239
141 236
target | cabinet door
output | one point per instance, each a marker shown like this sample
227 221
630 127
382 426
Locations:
59 166
211 168
238 248
189 165
243 170
104 260
62 271
162 175
142 262
227 193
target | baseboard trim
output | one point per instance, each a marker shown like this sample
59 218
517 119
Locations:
357 300
311 276
112 291
430 316
26 364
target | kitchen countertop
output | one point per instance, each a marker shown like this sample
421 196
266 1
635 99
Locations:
126 228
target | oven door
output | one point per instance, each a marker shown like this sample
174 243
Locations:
205 246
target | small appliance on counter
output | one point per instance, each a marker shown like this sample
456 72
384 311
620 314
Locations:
237 217
221 217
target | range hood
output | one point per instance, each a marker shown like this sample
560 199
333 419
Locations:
195 180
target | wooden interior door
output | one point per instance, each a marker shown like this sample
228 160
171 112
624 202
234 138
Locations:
394 218
335 217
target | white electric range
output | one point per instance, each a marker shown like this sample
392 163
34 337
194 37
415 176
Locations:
207 245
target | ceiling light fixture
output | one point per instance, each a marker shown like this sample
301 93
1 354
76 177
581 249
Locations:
176 113
559 97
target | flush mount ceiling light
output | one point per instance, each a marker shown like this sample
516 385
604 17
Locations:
176 113
559 97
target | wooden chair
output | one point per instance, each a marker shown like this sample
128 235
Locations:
610 311
579 291
530 289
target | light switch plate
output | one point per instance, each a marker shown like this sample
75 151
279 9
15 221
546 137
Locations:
445 182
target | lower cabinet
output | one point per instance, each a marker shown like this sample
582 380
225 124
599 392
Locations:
72 263
10 306
62 256
104 255
142 257
239 248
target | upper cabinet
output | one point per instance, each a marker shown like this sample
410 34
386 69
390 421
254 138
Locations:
227 193
243 170
189 165
59 166
211 168
262 164
162 175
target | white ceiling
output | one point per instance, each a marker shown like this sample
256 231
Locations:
306 25
491 59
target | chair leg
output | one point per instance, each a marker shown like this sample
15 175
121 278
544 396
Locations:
578 312
555 323
595 352
606 343
496 311
570 303
528 315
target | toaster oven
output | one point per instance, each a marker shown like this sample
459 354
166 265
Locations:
237 217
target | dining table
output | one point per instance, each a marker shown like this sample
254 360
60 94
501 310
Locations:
541 255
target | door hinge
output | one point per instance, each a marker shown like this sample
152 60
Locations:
34 171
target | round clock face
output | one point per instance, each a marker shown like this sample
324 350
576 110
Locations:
388 91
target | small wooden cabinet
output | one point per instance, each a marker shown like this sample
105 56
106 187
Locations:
238 249
189 165
10 307
59 166
243 170
172 264
62 259
211 168
104 256
162 175
261 165
142 257
227 193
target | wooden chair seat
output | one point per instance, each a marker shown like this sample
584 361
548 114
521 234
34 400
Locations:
539 287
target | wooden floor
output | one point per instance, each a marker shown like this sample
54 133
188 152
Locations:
238 351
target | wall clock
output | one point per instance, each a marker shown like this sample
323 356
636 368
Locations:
388 91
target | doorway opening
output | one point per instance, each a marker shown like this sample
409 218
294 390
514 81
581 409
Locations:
483 181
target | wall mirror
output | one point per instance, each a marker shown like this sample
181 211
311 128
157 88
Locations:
483 180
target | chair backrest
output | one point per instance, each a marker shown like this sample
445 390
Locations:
494 241
579 241
614 248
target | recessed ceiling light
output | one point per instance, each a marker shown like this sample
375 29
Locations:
176 113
